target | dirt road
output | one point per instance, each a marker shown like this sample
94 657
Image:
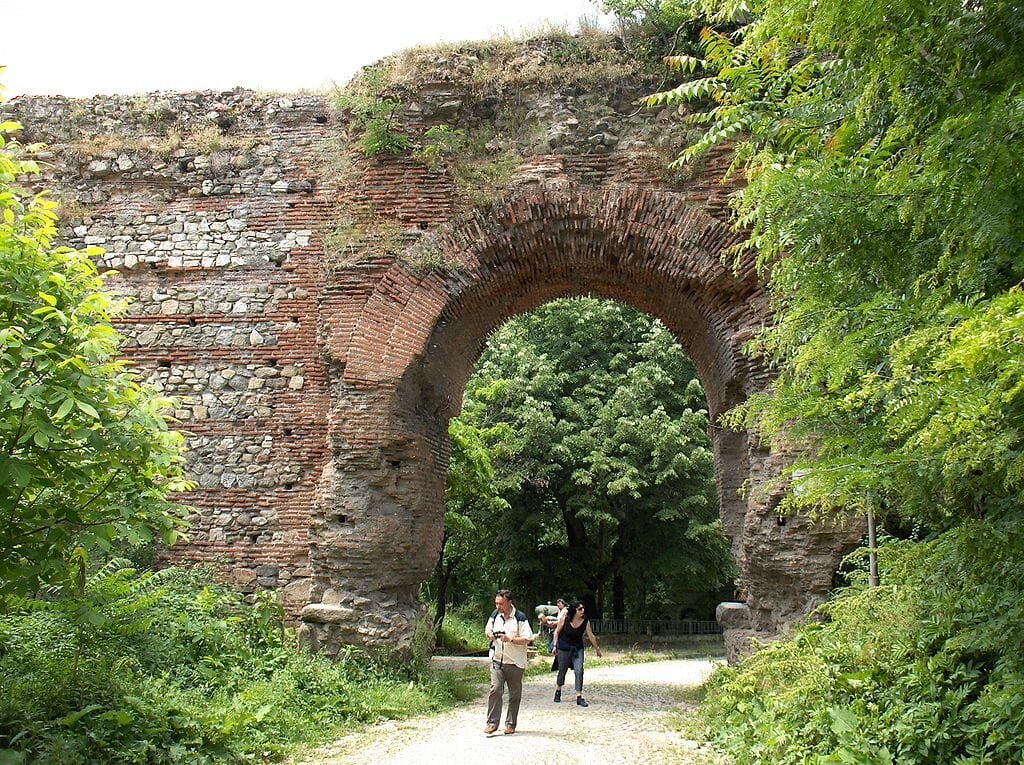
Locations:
629 720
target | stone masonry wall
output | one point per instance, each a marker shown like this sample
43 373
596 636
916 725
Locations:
204 205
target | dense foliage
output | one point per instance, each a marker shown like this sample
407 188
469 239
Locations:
882 147
472 499
915 671
885 206
595 430
86 458
171 669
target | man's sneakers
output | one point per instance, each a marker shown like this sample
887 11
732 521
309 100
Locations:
490 728
558 696
581 702
509 730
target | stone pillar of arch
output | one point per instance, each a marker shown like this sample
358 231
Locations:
398 362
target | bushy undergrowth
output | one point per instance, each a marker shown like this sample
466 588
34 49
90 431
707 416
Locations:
927 668
463 632
167 668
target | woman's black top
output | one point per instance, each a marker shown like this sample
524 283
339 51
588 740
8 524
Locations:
572 637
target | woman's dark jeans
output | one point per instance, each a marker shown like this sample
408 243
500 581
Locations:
571 658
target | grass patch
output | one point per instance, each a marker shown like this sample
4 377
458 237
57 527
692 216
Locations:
551 58
481 176
461 634
200 140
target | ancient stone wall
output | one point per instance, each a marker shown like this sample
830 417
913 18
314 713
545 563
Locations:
204 205
321 310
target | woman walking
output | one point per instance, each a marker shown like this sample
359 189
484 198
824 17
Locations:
569 634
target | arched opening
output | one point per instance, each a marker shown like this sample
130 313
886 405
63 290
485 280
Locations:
400 361
582 467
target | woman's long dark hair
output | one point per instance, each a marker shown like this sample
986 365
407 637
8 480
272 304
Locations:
573 608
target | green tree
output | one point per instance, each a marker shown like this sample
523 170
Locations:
472 500
86 457
885 204
606 468
652 29
882 147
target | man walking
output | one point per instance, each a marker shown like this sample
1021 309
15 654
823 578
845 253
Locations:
510 634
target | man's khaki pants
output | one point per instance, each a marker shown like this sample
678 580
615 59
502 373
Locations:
501 674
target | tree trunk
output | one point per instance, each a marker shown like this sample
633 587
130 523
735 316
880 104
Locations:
618 596
443 574
618 560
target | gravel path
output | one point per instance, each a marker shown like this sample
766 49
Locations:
629 720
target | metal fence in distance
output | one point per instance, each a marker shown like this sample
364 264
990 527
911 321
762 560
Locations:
655 627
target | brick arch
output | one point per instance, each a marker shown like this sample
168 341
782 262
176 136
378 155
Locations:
402 361
642 247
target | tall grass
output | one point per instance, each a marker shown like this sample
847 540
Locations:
462 632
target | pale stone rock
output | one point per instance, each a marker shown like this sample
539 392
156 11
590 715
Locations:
733 615
99 167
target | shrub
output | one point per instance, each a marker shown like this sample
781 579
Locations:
915 671
373 113
168 668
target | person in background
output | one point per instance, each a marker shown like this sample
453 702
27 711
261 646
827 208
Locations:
549 623
569 634
509 631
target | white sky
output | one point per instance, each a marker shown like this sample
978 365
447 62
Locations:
85 47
